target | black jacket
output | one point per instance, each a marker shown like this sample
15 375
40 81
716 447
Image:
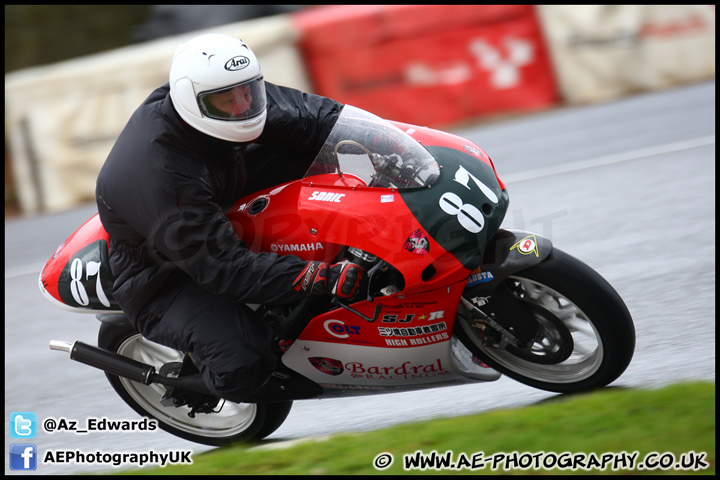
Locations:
164 188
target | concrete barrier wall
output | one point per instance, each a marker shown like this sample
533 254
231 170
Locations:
432 65
602 52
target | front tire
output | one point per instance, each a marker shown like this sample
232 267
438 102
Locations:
586 336
233 423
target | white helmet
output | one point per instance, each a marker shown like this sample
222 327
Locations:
217 87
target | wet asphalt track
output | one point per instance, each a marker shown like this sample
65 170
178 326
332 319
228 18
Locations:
627 186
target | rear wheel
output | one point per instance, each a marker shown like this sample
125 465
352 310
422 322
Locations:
585 339
230 422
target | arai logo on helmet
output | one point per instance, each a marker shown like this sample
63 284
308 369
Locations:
237 63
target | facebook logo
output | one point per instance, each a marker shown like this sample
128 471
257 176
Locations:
23 425
23 456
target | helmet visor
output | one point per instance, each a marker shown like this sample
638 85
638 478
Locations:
236 102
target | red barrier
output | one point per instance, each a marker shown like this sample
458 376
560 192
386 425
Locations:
428 64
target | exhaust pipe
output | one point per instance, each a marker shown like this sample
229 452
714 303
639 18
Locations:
106 360
116 364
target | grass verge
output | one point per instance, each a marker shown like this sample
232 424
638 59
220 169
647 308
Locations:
674 424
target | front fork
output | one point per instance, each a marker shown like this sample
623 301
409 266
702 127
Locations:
502 319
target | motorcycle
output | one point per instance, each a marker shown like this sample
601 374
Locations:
449 297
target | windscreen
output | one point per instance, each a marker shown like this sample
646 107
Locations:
375 152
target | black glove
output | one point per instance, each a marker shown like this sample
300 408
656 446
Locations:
318 278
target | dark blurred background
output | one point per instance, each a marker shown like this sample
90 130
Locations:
44 34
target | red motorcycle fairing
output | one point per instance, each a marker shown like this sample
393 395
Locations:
402 320
77 277
411 346
316 217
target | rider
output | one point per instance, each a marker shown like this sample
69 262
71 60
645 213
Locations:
215 132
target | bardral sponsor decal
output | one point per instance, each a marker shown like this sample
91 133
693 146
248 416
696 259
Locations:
405 371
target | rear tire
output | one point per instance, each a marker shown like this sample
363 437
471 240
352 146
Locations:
233 423
569 298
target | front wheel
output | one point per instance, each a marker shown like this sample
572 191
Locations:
585 337
231 422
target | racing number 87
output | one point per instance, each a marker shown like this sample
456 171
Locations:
78 289
469 216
